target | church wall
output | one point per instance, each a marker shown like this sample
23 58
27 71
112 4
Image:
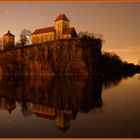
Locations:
41 38
60 26
67 36
8 41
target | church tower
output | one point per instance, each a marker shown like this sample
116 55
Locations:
61 23
8 40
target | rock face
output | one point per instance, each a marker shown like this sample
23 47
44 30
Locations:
63 57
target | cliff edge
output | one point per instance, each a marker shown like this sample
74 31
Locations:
79 56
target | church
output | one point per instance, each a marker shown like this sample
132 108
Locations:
60 30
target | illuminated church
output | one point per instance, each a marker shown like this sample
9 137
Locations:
60 30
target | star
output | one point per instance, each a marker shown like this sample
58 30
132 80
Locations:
101 14
89 19
122 31
37 15
7 13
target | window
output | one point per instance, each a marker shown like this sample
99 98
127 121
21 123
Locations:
41 39
58 34
50 37
37 39
44 39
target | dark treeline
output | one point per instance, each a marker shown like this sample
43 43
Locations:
108 64
113 65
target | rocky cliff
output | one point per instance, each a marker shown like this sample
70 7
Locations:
63 57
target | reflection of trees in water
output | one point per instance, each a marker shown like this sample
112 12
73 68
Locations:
114 80
91 97
8 104
109 82
26 108
58 98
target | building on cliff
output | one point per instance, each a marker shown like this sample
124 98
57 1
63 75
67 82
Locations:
8 40
60 30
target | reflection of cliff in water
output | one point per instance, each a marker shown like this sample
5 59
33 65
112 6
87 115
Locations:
114 80
57 98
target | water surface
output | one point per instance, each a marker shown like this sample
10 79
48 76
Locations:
78 106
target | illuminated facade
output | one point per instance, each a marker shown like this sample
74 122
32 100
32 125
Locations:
60 30
8 40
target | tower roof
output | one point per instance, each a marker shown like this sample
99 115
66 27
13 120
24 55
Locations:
8 34
61 17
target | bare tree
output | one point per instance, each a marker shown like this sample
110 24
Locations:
91 35
18 44
1 45
25 37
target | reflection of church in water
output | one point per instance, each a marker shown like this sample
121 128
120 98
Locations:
62 117
57 99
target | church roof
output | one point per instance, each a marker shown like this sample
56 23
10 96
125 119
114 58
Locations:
69 31
62 17
8 34
43 30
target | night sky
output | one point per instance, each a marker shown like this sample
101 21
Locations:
119 23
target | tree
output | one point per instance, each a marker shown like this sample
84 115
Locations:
1 46
90 35
25 37
86 37
18 44
26 108
111 63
